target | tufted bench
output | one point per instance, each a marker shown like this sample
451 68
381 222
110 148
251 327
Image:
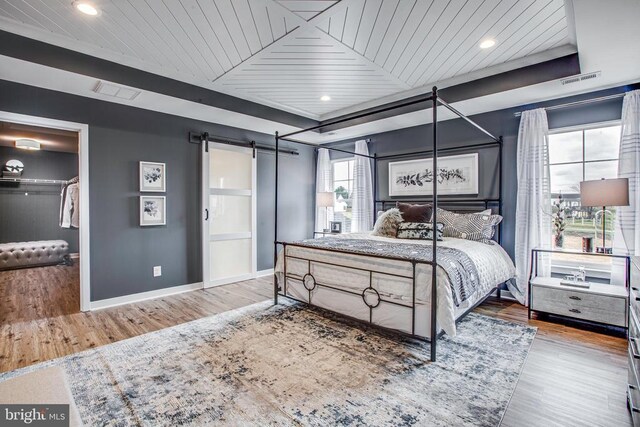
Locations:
33 254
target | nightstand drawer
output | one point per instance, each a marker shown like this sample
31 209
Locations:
581 305
634 295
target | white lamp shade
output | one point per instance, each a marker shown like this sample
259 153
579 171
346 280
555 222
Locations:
324 199
605 192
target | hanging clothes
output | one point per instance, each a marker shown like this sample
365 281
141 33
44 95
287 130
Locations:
70 204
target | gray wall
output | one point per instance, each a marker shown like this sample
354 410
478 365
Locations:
502 122
36 216
122 253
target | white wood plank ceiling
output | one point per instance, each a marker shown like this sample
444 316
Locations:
289 53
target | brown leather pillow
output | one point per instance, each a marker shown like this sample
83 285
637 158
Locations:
415 213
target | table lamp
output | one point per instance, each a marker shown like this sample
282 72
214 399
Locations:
325 200
604 192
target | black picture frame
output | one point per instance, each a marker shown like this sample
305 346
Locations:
336 227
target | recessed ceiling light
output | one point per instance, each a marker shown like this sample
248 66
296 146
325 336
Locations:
486 44
325 98
27 144
86 8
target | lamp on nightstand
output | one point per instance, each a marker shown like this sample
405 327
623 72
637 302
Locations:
604 192
325 200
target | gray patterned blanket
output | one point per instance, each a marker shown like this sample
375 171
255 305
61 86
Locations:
462 272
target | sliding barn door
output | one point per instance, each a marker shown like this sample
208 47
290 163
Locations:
229 241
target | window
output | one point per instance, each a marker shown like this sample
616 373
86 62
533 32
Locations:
574 156
342 175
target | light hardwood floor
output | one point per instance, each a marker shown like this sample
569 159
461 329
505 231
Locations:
572 377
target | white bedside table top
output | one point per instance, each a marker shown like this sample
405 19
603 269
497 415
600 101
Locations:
595 288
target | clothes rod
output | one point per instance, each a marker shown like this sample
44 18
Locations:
576 103
34 181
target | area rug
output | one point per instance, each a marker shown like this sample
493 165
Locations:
289 365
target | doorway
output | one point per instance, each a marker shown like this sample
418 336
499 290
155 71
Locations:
53 235
229 223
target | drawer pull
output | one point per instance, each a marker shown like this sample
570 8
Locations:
575 310
631 403
634 353
575 298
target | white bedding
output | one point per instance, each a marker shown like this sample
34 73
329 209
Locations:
493 264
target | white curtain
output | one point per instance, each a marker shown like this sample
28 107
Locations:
324 182
533 206
627 224
362 212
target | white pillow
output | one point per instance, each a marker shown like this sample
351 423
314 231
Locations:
387 223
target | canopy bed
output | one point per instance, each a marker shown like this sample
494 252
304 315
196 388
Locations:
392 283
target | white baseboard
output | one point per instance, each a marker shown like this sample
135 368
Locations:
143 296
263 273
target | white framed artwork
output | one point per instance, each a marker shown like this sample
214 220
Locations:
153 177
457 175
153 210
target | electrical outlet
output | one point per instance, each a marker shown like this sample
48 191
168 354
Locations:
157 271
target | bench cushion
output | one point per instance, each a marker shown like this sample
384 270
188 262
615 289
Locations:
29 254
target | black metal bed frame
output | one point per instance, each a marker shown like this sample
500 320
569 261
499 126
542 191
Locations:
308 280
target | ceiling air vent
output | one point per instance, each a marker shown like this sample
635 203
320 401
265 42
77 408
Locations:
580 78
117 91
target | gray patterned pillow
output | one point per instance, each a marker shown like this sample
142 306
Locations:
419 230
476 226
387 223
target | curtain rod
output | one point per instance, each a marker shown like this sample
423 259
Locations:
576 103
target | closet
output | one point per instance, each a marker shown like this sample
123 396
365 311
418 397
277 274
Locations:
39 221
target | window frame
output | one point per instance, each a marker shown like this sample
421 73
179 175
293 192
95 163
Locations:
333 180
594 270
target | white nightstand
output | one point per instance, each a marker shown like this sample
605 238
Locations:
601 303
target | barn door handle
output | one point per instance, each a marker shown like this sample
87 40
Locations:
206 216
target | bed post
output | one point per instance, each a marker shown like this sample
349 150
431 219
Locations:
434 275
275 227
375 187
499 291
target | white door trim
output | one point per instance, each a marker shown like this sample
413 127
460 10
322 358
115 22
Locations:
83 155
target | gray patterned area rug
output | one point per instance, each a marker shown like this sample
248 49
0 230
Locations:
288 365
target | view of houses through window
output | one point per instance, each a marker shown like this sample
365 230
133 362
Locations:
575 156
342 172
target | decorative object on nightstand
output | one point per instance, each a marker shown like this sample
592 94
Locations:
558 221
325 200
321 233
604 192
593 302
577 279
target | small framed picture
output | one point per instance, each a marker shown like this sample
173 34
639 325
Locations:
153 210
153 177
336 227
